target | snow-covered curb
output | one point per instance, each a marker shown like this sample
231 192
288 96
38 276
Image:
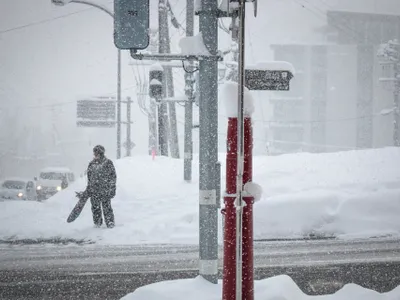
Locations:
275 288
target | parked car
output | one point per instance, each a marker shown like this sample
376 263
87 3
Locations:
53 180
18 189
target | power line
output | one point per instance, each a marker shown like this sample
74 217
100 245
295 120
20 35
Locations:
47 20
57 104
322 14
44 21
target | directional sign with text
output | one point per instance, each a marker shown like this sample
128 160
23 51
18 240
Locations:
268 80
131 24
99 112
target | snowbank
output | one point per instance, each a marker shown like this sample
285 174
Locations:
345 194
229 97
353 194
275 288
153 205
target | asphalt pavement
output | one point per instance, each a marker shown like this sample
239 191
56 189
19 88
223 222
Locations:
110 272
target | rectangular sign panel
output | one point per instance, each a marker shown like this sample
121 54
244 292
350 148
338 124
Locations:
267 80
131 24
98 110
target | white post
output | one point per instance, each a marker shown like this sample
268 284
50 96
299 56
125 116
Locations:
240 154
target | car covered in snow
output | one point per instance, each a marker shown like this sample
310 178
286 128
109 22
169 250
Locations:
18 189
52 180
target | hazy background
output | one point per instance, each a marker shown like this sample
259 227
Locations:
51 56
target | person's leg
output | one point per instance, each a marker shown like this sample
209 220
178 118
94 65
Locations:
108 212
96 211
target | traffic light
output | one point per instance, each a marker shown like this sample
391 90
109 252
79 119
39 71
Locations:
156 79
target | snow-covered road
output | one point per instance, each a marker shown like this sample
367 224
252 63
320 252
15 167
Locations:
110 272
96 258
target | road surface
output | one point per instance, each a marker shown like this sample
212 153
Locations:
110 272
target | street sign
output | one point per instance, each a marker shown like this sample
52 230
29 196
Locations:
96 112
131 145
131 24
268 80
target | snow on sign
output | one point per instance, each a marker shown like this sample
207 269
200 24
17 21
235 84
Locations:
131 24
270 76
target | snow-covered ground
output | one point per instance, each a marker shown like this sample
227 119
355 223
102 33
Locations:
275 288
353 194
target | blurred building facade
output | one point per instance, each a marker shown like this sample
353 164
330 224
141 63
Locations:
337 100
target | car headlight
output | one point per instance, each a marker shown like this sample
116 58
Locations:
20 195
59 188
38 187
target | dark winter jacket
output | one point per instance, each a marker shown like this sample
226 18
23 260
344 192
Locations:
102 178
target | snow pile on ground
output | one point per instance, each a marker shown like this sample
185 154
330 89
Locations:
153 205
275 288
353 194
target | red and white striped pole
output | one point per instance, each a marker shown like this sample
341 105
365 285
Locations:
229 269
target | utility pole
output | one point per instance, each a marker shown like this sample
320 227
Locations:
152 110
208 107
390 52
129 144
162 106
396 108
153 136
173 133
189 91
119 105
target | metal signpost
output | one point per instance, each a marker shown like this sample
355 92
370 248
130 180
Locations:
253 79
240 154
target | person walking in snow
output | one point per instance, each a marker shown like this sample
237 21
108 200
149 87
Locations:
64 182
101 187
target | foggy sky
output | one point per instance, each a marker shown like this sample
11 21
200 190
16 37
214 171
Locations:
58 61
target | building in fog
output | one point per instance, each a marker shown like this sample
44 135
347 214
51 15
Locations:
365 32
336 101
299 115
